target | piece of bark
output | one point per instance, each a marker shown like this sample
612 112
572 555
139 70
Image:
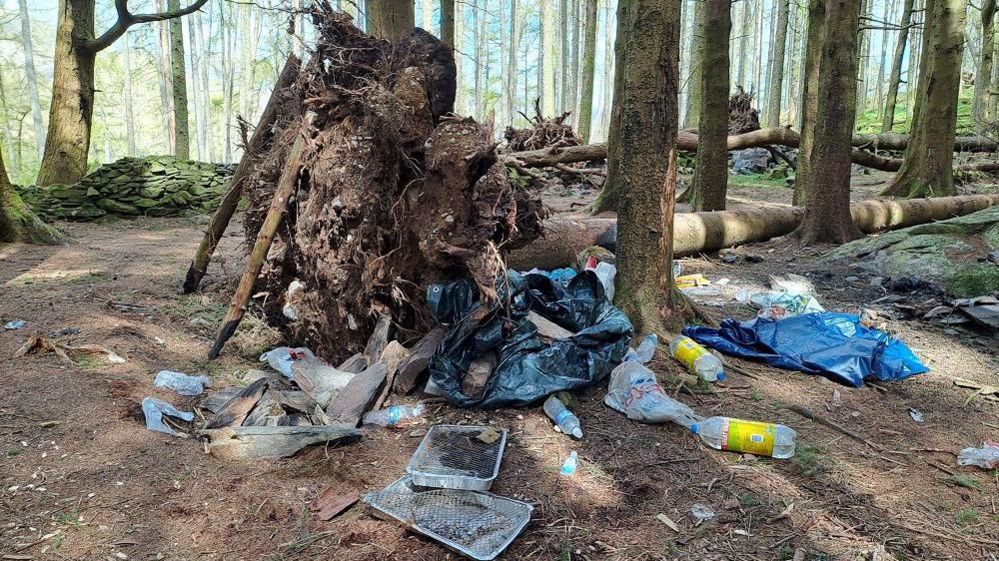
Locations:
331 503
234 412
271 442
548 328
291 400
378 340
355 364
215 402
356 398
267 412
408 376
319 380
393 355
478 374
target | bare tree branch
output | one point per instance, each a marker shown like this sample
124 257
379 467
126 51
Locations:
127 19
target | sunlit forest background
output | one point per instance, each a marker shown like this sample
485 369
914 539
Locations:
510 53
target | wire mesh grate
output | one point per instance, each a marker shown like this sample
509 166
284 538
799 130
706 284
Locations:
458 457
480 525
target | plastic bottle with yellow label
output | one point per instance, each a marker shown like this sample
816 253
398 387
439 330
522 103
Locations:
751 437
696 358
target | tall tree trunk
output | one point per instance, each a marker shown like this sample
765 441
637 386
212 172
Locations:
645 123
390 19
879 85
199 109
917 48
610 38
479 24
165 81
30 77
710 184
228 79
983 77
428 16
927 169
758 59
563 56
6 137
744 21
827 215
129 100
549 56
460 94
17 222
863 54
574 74
777 65
251 38
447 22
693 113
208 128
589 71
809 98
178 82
511 63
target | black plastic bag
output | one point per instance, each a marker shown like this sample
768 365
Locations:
528 369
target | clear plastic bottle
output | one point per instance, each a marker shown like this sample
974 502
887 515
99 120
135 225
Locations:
645 351
569 467
392 416
752 437
564 418
696 358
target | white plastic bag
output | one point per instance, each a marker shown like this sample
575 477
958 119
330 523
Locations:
281 358
154 409
986 457
635 392
182 383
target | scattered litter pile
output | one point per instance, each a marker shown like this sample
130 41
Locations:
153 186
393 193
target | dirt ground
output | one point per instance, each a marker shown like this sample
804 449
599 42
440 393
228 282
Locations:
95 484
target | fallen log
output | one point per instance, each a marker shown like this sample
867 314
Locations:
222 216
687 142
702 232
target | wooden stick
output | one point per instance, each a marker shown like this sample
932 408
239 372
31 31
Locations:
222 216
823 421
285 188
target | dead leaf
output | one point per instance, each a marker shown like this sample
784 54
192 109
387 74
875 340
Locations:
489 435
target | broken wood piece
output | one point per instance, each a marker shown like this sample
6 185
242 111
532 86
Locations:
668 522
233 443
318 379
548 328
291 400
216 401
408 376
331 503
478 374
255 262
267 412
378 340
356 398
227 207
235 410
392 356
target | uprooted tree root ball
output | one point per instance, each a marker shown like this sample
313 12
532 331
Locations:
394 193
543 132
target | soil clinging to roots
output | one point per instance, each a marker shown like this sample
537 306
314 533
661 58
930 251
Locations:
394 193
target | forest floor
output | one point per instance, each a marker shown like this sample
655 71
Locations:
98 485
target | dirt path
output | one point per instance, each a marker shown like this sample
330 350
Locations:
97 483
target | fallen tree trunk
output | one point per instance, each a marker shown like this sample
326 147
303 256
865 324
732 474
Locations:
687 142
701 232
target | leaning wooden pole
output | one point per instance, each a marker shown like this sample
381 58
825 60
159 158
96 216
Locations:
285 189
222 216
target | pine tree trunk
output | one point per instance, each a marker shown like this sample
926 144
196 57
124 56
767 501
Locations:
827 214
983 77
776 82
251 38
549 56
879 86
916 50
129 113
479 24
645 124
30 77
460 94
809 98
6 137
17 222
863 53
563 56
178 83
196 106
511 63
67 142
576 69
589 71
710 184
208 127
447 22
228 79
744 19
692 116
390 19
927 169
166 87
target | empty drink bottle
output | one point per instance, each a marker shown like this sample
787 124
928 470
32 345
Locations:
751 437
569 467
566 421
393 416
696 358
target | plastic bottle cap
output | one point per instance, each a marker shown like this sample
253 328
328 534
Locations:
721 376
694 428
577 432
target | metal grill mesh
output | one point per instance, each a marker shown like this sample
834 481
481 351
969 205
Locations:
477 524
453 450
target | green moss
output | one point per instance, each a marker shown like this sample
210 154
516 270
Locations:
18 223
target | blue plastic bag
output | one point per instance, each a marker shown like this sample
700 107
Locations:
833 345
